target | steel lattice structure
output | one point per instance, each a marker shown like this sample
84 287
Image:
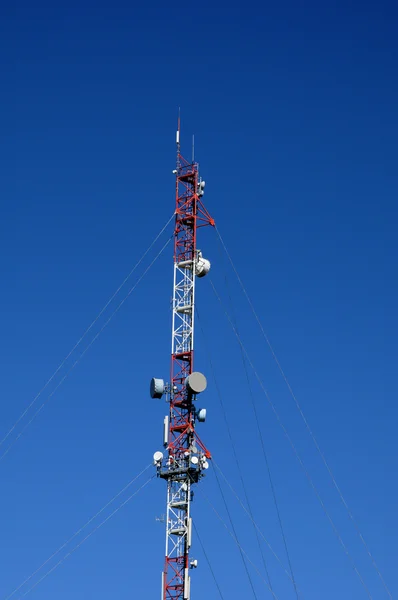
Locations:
186 454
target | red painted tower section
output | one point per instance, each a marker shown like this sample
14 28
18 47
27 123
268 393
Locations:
187 457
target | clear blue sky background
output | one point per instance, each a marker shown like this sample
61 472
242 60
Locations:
294 109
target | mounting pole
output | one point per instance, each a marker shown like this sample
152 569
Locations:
187 457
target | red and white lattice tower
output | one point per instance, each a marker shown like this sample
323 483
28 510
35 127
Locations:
187 457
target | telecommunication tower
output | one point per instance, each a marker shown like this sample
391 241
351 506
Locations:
186 456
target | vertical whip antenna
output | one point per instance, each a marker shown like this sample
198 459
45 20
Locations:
178 137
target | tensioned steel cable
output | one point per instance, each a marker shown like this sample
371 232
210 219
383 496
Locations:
87 537
315 489
68 541
220 398
298 406
208 561
253 521
255 525
237 543
85 350
236 537
267 464
85 333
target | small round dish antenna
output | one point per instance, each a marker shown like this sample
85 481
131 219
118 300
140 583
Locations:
156 388
157 458
202 267
196 382
201 414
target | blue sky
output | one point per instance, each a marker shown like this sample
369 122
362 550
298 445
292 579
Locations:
295 121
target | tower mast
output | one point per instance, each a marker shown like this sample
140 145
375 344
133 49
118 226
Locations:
187 456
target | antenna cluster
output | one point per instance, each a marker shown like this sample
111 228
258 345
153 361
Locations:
194 460
185 458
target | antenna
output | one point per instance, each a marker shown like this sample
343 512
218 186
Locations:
178 137
185 458
193 148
